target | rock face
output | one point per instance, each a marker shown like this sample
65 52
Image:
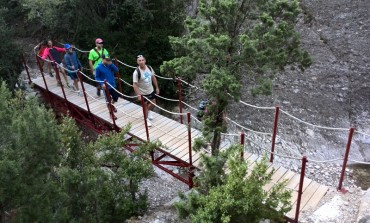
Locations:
329 212
364 210
333 92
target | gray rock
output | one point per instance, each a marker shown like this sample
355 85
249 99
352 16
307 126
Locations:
363 215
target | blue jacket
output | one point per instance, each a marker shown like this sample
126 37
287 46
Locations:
71 59
106 72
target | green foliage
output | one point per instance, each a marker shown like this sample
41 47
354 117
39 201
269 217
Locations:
48 174
10 66
232 38
128 27
239 196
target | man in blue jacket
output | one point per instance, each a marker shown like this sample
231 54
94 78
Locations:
73 64
105 71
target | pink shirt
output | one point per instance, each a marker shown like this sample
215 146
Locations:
47 53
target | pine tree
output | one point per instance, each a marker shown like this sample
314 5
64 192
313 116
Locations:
229 39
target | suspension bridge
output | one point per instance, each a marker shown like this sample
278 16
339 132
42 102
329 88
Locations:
175 136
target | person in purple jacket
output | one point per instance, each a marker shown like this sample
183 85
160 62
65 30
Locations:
105 71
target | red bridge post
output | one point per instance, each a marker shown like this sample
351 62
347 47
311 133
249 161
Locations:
345 160
26 67
80 77
191 168
300 189
118 77
276 120
143 105
179 90
110 106
242 139
56 69
42 73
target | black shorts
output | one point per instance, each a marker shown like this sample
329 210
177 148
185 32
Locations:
113 94
150 96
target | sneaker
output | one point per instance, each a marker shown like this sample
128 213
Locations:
51 74
150 115
149 123
98 92
79 93
71 86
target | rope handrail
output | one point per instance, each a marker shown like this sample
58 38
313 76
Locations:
82 51
258 132
167 99
173 113
124 64
362 133
195 118
190 106
100 101
313 125
242 102
127 96
164 78
126 82
360 162
125 113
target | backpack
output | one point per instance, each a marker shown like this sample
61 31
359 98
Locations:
139 73
98 54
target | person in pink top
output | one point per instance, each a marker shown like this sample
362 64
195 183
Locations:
39 51
53 53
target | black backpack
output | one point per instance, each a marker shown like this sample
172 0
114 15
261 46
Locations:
139 73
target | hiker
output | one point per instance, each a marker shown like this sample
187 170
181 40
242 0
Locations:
39 51
105 71
54 54
95 58
143 80
73 65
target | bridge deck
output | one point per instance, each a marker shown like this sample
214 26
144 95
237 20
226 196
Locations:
174 138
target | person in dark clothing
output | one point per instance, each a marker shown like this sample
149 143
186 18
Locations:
73 65
105 71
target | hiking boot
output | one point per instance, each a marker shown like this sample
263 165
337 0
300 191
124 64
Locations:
51 74
149 123
150 115
98 92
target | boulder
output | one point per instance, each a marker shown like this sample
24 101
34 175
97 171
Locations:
363 215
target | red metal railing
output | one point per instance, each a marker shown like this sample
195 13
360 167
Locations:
274 132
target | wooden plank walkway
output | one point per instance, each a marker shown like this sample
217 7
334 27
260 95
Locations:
174 138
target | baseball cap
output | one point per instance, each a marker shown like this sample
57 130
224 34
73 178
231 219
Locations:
67 46
106 57
99 40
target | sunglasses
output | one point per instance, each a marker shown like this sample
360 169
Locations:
100 43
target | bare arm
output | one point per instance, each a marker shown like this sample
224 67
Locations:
136 89
154 80
91 66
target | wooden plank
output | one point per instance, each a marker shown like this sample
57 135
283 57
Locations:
315 199
156 130
163 130
275 178
306 196
180 145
